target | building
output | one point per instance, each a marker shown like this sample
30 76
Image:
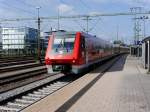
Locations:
19 40
146 53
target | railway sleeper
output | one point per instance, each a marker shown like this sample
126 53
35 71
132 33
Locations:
12 105
17 104
30 98
41 93
51 88
36 95
46 91
24 101
59 84
7 109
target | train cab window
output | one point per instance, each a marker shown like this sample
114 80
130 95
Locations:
63 43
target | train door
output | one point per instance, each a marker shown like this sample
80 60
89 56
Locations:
83 48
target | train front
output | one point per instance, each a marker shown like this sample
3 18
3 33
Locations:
62 52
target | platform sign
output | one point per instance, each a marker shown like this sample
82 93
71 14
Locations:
138 42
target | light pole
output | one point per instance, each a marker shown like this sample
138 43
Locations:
58 19
136 23
39 36
117 32
144 30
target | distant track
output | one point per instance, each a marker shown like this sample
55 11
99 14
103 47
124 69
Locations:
16 79
17 62
15 59
19 66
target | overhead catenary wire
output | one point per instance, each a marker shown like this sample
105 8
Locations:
84 4
45 24
77 16
95 25
19 9
62 1
79 25
27 4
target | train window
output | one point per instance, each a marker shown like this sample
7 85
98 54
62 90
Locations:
63 43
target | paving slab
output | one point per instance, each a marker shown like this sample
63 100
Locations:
124 88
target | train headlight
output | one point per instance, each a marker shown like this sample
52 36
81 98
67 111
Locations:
47 61
73 61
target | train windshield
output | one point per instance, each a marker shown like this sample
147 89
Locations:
63 43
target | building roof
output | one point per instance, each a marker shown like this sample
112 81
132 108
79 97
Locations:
146 39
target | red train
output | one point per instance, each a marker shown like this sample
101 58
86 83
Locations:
73 52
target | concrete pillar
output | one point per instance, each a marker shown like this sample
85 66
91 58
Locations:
148 56
144 51
144 54
138 51
130 50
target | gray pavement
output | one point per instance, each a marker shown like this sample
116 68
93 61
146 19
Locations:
124 88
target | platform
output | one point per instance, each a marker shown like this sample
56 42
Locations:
124 88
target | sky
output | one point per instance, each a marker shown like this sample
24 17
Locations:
103 27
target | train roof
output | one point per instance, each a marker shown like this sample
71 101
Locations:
62 32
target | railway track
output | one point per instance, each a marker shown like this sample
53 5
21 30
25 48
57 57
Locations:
15 59
19 78
11 62
16 63
19 73
24 93
20 98
19 66
37 94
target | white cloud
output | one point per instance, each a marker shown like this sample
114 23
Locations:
64 8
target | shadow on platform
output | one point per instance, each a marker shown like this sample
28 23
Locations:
117 66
